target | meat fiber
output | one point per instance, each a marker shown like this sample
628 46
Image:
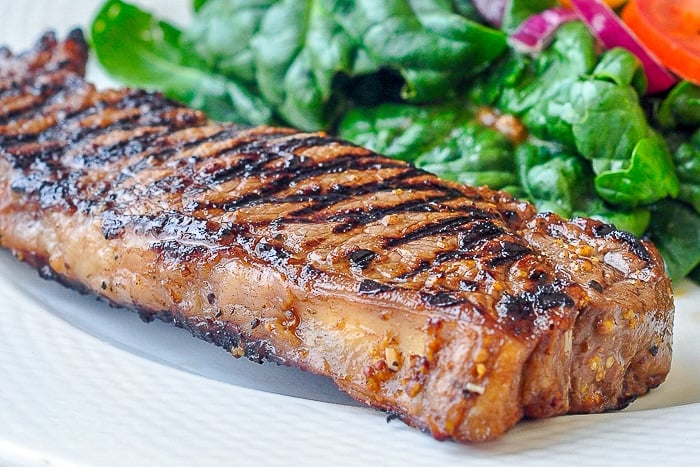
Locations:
459 310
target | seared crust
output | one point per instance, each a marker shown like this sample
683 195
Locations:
458 309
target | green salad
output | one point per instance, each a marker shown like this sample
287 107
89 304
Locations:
428 82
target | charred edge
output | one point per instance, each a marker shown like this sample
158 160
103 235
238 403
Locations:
75 63
220 333
635 244
223 334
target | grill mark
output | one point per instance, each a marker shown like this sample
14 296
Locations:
61 128
635 244
477 233
245 166
129 146
85 111
18 83
44 95
361 258
22 158
441 299
170 224
370 287
164 151
254 164
544 298
440 258
292 171
57 130
297 142
126 123
245 145
451 225
361 217
121 123
283 181
508 253
340 193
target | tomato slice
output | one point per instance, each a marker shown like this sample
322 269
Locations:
611 3
670 30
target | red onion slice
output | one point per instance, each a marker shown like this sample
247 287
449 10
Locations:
612 32
491 10
536 32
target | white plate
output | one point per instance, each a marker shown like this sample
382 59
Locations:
82 383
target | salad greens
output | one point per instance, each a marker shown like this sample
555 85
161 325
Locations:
409 78
301 57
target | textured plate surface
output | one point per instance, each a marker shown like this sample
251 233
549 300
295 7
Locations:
84 384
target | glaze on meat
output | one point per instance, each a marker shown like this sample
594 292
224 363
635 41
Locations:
456 309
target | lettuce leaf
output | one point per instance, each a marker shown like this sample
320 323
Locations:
446 140
590 105
142 51
303 56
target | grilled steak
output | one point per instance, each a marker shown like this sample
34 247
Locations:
459 310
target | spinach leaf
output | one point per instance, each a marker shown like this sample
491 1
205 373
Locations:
551 73
402 131
650 176
198 4
557 180
675 230
297 53
552 179
445 140
621 67
143 51
222 45
590 106
687 160
681 107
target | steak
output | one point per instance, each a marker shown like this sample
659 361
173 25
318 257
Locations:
458 309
